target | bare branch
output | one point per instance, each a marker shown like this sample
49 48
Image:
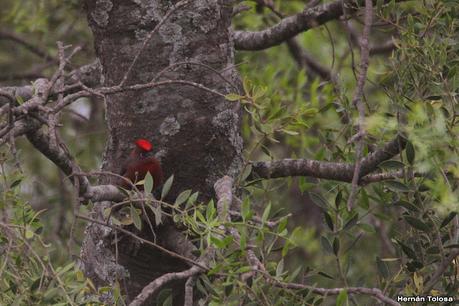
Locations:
384 176
327 170
116 89
88 74
388 151
58 154
19 128
161 281
289 27
189 291
223 190
101 193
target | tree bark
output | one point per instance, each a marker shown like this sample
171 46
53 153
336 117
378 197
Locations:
195 133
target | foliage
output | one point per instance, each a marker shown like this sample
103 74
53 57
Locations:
29 271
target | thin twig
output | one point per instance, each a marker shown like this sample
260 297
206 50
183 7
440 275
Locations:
156 246
357 100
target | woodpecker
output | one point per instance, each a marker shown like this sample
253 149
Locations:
139 163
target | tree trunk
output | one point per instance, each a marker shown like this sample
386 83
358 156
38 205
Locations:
195 133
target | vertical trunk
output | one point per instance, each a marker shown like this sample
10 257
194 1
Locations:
196 134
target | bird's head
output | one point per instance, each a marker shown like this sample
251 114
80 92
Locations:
143 147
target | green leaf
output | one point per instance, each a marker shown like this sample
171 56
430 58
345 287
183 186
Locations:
136 218
221 243
407 250
280 268
243 234
351 222
417 224
167 186
266 150
382 268
448 219
288 132
182 197
326 245
338 199
28 233
245 209
62 270
15 183
164 296
192 199
325 275
336 246
247 85
286 248
365 200
148 184
367 228
246 173
341 299
391 164
329 220
158 214
233 97
282 226
319 200
19 99
210 210
407 205
266 212
397 186
410 153
259 91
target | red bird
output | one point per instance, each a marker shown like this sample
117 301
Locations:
138 164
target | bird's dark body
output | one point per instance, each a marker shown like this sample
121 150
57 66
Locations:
136 170
138 165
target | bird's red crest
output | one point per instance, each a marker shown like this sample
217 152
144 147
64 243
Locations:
144 144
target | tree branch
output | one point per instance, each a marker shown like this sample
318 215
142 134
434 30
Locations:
88 74
161 281
289 27
327 170
59 155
